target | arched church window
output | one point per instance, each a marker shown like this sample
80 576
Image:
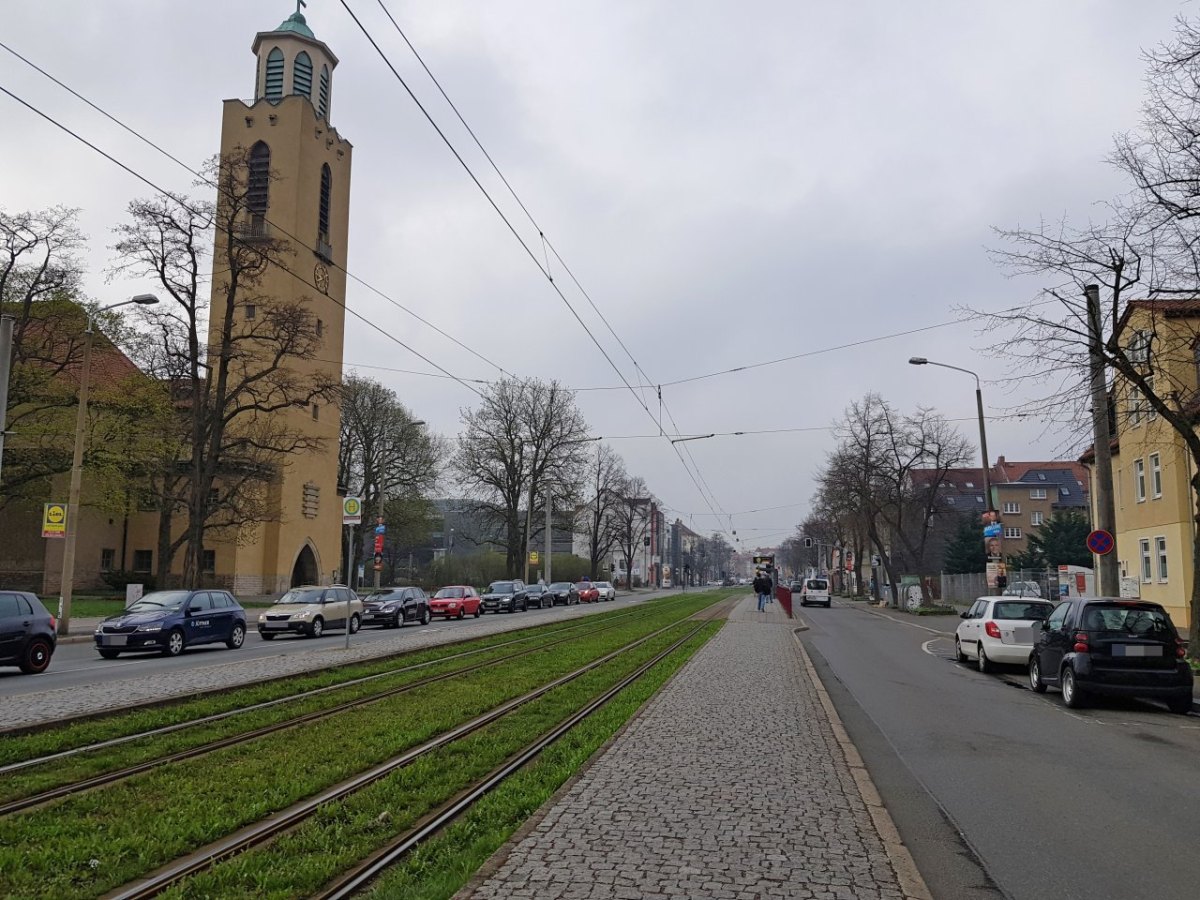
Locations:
323 209
274 82
258 187
302 75
323 93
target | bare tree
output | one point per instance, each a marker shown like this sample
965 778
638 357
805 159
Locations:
606 479
631 513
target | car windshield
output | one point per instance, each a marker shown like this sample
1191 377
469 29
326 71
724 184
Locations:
301 595
501 587
603 584
448 594
561 586
818 584
584 585
534 589
159 601
1135 620
1011 609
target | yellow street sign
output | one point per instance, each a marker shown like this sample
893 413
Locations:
54 520
533 557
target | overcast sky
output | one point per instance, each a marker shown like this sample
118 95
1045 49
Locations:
730 182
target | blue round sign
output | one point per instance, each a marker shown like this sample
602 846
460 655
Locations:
1100 542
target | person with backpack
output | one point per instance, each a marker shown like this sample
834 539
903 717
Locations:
762 587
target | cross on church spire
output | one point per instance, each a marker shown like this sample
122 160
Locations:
300 3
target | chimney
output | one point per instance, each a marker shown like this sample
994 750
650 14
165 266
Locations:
999 461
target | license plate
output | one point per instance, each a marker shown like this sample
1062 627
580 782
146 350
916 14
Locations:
115 640
1023 635
1137 650
275 625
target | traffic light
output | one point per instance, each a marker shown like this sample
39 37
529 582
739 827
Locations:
808 542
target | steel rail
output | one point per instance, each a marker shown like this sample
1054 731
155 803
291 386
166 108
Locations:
266 704
284 820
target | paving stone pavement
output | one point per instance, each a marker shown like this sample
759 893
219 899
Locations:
24 710
730 784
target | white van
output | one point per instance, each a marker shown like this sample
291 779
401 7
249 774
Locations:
816 591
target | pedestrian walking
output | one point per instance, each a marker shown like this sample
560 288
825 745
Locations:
762 588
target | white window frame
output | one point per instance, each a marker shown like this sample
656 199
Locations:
1160 554
1156 476
1012 507
1135 406
1012 532
1037 518
1037 494
1151 412
1144 549
1139 480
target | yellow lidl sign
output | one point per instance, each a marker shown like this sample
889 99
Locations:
533 557
54 520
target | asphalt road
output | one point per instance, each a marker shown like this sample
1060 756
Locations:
1000 791
79 665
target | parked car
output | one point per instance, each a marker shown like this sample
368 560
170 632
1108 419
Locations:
170 621
587 592
28 633
505 596
562 592
607 591
537 595
1023 589
392 607
816 590
456 601
311 610
1000 630
1091 646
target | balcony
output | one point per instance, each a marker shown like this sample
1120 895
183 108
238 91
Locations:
257 229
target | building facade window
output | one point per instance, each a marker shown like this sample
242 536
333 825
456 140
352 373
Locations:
1151 412
323 208
143 560
323 93
1144 549
1155 475
107 558
1012 506
1136 402
1037 494
302 75
1012 532
1139 480
258 187
251 311
274 83
1036 518
316 412
1160 551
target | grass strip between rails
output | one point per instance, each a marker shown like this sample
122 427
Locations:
42 741
140 823
25 783
299 862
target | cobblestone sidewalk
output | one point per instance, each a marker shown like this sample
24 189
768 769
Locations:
731 784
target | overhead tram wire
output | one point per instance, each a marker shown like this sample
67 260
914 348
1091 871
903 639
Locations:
142 178
274 225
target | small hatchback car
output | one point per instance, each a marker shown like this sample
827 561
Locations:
169 621
1000 630
27 632
311 610
1090 646
392 607
587 592
455 601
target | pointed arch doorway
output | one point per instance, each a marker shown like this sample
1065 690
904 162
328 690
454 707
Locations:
305 571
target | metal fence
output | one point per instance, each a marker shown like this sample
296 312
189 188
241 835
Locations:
966 588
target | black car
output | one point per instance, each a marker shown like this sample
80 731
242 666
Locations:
1091 646
538 595
505 596
27 632
169 621
392 607
562 592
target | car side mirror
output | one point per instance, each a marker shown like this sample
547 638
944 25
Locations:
965 614
1045 624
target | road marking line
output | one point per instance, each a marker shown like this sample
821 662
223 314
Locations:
872 612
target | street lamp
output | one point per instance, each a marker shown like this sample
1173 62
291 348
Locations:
529 508
987 484
85 373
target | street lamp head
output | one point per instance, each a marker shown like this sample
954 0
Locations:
145 299
917 361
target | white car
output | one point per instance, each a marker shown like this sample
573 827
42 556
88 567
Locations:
607 591
1000 630
816 590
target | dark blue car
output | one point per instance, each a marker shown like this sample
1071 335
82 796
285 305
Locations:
168 621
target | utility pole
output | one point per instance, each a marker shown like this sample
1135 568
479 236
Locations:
549 532
68 568
1106 516
6 346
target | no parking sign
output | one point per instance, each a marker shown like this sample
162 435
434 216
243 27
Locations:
1100 542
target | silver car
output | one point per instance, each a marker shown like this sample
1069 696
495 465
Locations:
607 591
311 610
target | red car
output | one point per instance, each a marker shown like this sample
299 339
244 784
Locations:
456 601
588 592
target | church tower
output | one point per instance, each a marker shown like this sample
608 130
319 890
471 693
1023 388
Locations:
299 194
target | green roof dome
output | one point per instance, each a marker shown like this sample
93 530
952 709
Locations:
295 23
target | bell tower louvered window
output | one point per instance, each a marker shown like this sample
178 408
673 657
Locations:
274 81
302 75
323 93
258 187
324 248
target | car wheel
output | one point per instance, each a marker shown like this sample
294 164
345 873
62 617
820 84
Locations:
36 657
355 623
1072 695
959 656
237 636
462 614
1180 705
174 643
981 661
426 616
317 628
1035 676
397 622
265 636
109 654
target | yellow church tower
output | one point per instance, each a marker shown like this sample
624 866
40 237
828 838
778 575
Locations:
301 166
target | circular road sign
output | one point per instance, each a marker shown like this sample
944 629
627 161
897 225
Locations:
1100 542
55 513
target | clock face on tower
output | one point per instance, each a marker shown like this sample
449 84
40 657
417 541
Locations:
321 278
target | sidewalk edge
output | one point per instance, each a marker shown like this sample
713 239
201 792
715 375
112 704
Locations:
911 882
